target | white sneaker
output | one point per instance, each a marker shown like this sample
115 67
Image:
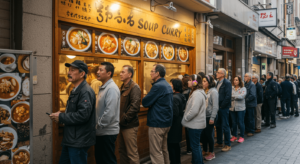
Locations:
280 115
283 117
262 121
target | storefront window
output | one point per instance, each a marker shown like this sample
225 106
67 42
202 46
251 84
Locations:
172 71
218 40
93 63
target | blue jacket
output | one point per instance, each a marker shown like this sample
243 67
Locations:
287 89
271 91
160 103
225 94
259 93
251 100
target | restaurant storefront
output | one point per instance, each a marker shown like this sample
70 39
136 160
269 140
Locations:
112 31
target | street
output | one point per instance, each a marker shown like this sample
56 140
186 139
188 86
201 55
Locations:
279 145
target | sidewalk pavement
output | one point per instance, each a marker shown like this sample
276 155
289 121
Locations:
280 145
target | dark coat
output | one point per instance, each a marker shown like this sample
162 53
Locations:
79 118
186 94
295 97
251 100
298 81
279 90
225 94
160 103
259 93
175 133
271 90
130 105
287 89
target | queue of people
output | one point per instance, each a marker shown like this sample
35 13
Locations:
196 102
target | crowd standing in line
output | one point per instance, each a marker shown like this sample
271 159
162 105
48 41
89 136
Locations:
196 102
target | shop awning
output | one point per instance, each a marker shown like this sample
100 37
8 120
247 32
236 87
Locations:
269 34
201 6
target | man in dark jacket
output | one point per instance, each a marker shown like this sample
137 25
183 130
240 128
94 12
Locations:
259 96
160 114
270 100
79 117
224 88
129 121
251 103
287 91
294 99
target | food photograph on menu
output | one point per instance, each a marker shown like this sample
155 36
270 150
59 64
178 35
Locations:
168 52
130 46
182 54
151 50
14 109
76 39
106 43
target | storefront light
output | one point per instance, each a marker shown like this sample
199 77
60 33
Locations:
176 25
115 7
71 56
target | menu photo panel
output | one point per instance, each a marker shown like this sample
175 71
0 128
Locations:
14 108
106 43
167 51
151 49
76 39
130 46
182 54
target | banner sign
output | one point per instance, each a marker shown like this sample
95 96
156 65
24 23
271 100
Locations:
290 52
289 8
267 17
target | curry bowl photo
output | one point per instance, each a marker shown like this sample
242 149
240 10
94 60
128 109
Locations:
168 51
131 46
151 50
108 43
8 62
20 112
8 138
10 86
79 39
183 54
5 113
21 156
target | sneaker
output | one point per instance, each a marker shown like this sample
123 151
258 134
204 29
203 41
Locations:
241 140
287 117
257 131
297 115
210 156
273 126
282 117
262 121
250 134
233 139
226 148
204 153
218 145
189 152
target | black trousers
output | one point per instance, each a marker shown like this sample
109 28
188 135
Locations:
207 137
174 153
105 149
263 111
270 110
187 138
294 105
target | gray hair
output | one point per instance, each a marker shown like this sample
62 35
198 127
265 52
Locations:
280 79
81 70
256 76
224 71
249 74
295 76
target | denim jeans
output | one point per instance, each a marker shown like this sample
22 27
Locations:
285 109
238 120
294 106
250 120
194 135
223 126
73 155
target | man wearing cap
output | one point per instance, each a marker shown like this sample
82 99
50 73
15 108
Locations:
79 117
107 115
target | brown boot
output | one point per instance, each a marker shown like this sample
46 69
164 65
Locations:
250 134
218 145
226 148
257 131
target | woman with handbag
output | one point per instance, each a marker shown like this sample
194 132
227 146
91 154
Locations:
237 110
212 107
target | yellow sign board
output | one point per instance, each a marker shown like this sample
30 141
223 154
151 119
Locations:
120 17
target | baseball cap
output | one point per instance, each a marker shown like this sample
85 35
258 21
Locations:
78 64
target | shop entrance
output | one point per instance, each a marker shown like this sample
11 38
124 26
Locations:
223 59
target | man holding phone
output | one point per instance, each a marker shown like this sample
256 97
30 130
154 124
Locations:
79 118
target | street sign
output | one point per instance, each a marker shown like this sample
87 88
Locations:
289 8
267 17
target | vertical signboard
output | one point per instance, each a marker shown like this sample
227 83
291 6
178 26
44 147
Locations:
291 33
15 108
